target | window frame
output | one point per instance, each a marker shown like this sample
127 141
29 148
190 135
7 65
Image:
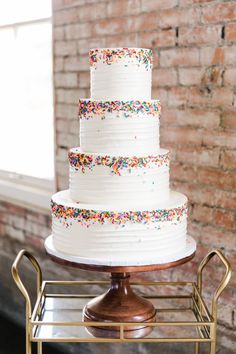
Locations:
23 190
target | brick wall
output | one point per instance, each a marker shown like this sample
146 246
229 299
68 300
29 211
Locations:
194 74
194 43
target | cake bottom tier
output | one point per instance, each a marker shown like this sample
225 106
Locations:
121 237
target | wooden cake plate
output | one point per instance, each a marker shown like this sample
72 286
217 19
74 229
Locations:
120 303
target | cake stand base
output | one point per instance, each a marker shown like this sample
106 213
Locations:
120 304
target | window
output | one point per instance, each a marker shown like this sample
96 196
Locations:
26 109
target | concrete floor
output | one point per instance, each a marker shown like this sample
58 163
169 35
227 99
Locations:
13 339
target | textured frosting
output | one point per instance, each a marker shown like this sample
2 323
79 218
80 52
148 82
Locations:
119 127
119 180
119 209
121 73
99 232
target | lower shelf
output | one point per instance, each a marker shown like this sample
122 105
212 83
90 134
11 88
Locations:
181 313
182 317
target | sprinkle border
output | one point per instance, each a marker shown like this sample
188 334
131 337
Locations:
88 108
138 56
88 217
82 161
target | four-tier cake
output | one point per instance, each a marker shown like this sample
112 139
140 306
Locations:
119 209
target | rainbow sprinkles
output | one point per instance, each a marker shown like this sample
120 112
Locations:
88 217
82 161
137 56
91 108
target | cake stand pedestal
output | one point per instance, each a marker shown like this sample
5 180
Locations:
120 303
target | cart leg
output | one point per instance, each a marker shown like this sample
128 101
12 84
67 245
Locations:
213 347
196 348
28 345
39 348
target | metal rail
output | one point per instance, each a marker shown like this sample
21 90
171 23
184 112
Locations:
204 322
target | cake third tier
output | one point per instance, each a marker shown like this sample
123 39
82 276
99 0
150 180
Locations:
119 180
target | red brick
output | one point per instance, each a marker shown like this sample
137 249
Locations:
179 57
217 96
69 95
202 213
153 5
91 12
220 179
109 26
216 237
230 76
123 8
161 94
230 55
230 32
222 96
145 21
180 172
84 79
212 76
66 111
58 33
228 159
226 199
57 5
217 56
164 77
78 63
229 119
177 96
218 12
163 38
191 2
181 136
224 218
190 76
198 156
65 48
178 17
78 30
58 64
218 138
65 80
130 40
199 35
212 56
66 16
207 195
195 117
84 45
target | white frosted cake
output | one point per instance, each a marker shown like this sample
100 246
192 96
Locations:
119 209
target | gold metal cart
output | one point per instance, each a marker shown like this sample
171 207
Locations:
182 316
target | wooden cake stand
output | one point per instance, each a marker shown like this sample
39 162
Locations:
120 303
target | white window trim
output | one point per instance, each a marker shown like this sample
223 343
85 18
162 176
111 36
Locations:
22 190
26 191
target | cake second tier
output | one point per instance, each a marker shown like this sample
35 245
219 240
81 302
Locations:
119 180
119 127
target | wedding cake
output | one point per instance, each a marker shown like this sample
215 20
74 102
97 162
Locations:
119 209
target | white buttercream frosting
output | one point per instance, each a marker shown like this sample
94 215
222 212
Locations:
116 180
112 238
119 127
119 209
121 73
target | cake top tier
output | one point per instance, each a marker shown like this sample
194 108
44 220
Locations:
140 57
